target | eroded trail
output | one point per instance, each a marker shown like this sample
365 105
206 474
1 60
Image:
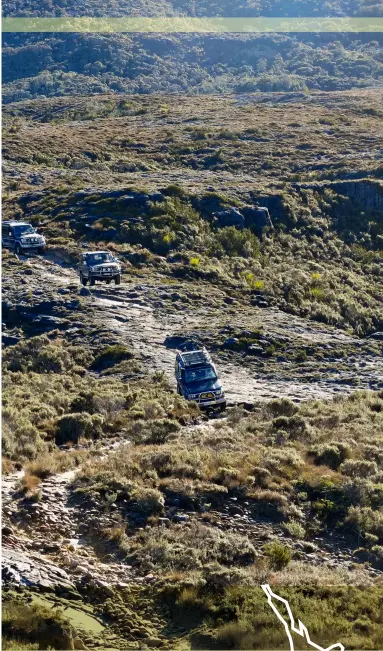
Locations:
154 317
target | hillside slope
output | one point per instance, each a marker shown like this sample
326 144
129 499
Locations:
83 64
131 519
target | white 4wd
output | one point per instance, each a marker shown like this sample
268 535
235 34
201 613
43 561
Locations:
21 237
99 265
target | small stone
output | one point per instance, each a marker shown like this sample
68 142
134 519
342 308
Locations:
230 342
181 518
255 350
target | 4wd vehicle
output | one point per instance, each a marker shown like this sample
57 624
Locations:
21 236
197 379
99 265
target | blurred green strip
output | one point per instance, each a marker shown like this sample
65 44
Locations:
179 24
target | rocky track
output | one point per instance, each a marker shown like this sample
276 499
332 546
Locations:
154 316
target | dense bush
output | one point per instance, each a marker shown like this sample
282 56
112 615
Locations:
84 64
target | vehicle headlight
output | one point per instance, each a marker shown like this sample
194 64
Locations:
92 269
192 396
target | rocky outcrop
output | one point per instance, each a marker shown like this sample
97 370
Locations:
21 568
230 217
368 192
257 219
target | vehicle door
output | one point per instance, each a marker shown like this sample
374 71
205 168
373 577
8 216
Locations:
6 235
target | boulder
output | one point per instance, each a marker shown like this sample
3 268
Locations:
208 204
45 322
257 219
255 350
259 301
376 335
230 217
33 570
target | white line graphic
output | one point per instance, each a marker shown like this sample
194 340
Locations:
300 629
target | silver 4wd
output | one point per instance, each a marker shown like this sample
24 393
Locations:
21 237
99 265
197 379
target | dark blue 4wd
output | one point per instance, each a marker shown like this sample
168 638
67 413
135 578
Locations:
197 379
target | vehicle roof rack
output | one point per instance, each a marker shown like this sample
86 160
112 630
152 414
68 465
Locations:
195 357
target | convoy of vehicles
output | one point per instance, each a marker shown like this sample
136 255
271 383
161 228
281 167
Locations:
21 237
196 375
197 379
99 265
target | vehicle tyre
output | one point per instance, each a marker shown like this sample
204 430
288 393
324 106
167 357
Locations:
83 280
222 407
117 280
41 250
17 249
92 281
108 281
179 390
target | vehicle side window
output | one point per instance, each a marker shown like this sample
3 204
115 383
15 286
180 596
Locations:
5 230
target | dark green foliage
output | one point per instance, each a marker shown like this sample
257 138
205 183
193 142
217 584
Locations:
331 455
111 356
230 241
71 427
85 64
278 554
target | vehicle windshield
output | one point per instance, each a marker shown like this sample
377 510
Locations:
98 258
24 229
200 374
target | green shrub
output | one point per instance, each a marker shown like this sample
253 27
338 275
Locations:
359 468
111 356
233 242
295 529
332 455
279 555
71 427
33 623
148 500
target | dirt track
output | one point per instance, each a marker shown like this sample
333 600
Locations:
148 315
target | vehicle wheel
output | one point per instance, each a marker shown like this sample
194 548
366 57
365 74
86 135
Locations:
117 280
179 390
83 280
108 281
92 281
17 249
41 250
222 407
